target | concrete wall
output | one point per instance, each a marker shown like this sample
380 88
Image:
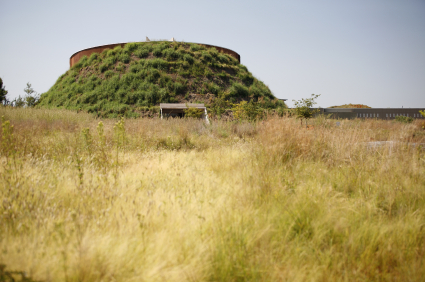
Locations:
99 49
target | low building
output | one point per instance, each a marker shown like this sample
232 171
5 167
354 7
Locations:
378 113
178 110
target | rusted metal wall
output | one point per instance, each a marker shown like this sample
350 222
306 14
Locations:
99 49
87 52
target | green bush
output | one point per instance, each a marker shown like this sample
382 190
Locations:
157 51
194 47
223 59
157 63
179 88
238 90
130 47
93 58
120 67
404 119
213 52
206 57
188 58
193 113
125 58
171 54
246 78
141 53
110 61
135 68
103 67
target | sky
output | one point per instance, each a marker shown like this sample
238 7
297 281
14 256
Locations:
364 51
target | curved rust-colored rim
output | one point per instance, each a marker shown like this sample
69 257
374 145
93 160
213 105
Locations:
99 49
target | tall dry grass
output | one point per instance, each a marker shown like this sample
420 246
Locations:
178 200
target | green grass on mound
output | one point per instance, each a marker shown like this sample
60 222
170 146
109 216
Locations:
132 79
351 106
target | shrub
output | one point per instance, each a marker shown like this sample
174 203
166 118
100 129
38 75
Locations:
193 113
157 63
404 119
93 57
125 58
213 88
194 47
179 88
153 76
103 67
246 78
206 57
130 47
246 111
171 54
223 59
142 53
188 58
157 51
110 61
164 80
213 52
238 90
120 67
242 67
135 68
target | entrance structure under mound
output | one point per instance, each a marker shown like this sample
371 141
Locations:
178 110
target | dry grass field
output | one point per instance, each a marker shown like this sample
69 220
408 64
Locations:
83 199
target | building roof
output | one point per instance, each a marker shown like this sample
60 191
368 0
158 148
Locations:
180 106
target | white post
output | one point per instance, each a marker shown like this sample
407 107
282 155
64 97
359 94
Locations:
206 116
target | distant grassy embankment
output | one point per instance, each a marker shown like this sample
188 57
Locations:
131 80
84 199
351 106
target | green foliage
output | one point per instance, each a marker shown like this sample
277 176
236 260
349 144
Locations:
247 111
125 58
188 58
193 113
238 90
219 107
404 119
30 99
18 102
3 93
303 107
142 53
117 82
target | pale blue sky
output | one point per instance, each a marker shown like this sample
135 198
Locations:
368 52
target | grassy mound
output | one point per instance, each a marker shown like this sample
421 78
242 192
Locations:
135 78
351 106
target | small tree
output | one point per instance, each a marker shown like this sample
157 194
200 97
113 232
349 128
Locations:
246 111
31 97
3 93
303 108
18 102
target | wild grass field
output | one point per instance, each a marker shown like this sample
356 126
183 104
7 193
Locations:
85 199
